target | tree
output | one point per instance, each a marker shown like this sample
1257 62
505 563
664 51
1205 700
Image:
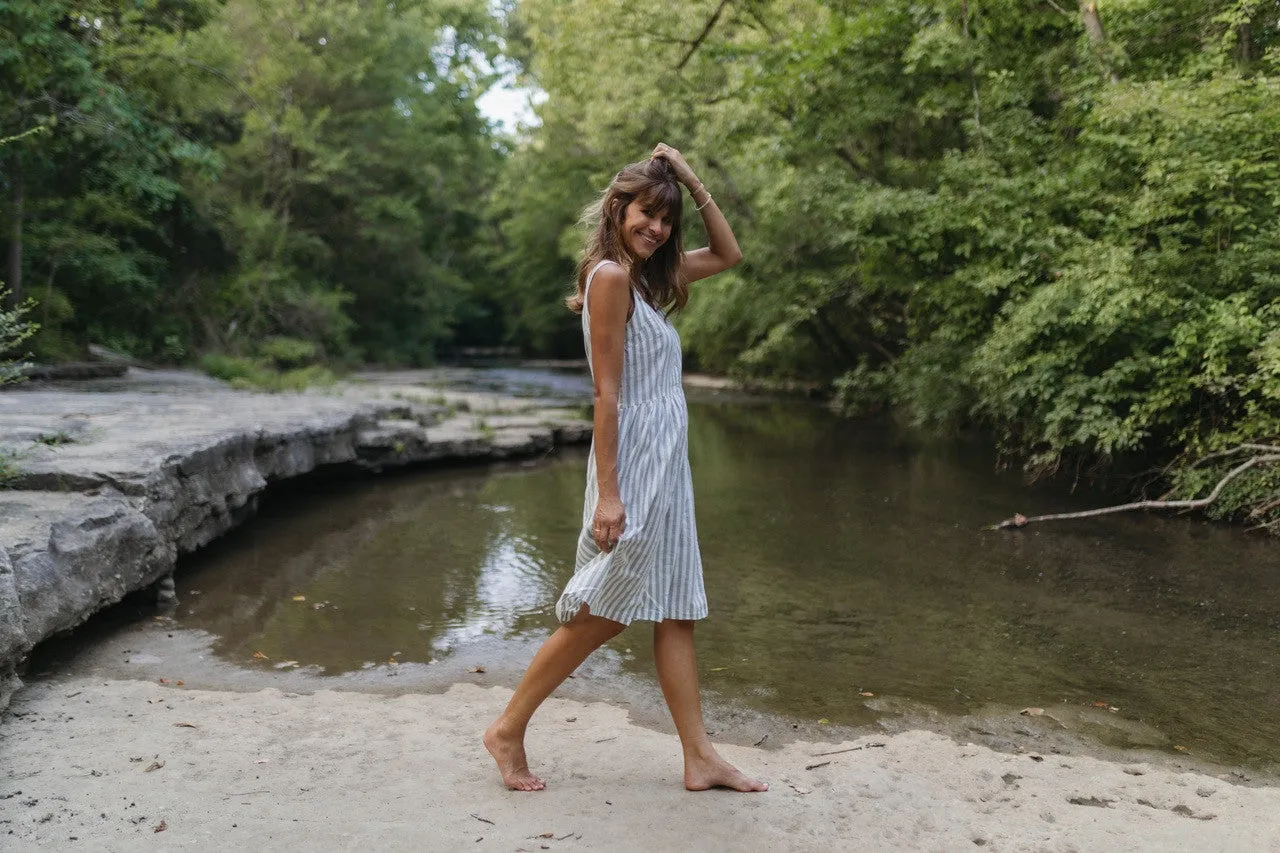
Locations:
218 175
1052 221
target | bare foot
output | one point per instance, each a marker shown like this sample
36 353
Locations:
508 752
712 771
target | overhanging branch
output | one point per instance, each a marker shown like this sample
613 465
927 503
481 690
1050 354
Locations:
702 36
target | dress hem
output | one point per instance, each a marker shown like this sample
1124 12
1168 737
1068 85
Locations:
571 603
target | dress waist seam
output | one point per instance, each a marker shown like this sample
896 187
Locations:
663 397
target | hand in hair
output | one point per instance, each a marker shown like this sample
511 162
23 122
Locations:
684 174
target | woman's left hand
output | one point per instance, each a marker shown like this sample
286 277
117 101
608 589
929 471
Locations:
684 174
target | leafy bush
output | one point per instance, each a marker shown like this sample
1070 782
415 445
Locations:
9 469
255 375
864 390
15 330
288 353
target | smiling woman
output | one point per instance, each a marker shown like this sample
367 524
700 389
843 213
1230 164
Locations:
645 229
637 225
637 555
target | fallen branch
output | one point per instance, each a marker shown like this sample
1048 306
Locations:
1020 520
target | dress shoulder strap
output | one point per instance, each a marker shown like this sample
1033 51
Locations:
590 276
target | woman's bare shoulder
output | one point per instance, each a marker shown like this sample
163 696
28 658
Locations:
610 281
610 291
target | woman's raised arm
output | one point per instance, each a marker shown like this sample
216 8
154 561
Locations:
723 251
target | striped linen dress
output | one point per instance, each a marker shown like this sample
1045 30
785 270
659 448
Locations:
655 570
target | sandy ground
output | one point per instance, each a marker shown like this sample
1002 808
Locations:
133 765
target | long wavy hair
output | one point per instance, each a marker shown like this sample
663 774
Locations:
652 183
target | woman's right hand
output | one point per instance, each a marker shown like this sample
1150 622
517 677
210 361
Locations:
609 522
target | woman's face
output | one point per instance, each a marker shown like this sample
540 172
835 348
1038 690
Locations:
645 229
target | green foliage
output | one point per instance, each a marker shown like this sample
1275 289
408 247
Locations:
261 375
55 439
355 184
242 372
10 468
863 390
287 353
15 330
974 212
212 175
54 340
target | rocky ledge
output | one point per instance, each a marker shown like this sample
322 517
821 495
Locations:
107 488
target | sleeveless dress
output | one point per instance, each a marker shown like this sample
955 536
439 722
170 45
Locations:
655 570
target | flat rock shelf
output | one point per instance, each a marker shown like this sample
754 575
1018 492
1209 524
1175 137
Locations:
114 483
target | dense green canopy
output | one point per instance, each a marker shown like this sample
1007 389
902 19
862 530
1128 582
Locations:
1056 220
217 174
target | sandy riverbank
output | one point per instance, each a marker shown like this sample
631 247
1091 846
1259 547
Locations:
331 771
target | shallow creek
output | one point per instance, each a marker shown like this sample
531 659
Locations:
850 580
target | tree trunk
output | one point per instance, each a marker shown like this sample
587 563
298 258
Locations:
973 75
14 278
1098 36
1244 43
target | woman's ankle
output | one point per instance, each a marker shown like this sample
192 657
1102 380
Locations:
507 727
700 752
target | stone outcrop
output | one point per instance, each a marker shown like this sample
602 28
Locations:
112 487
75 370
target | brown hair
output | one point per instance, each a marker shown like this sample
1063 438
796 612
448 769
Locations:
653 183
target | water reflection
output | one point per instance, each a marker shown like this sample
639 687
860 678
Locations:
840 560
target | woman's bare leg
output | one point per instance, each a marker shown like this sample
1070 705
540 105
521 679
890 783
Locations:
678 674
559 656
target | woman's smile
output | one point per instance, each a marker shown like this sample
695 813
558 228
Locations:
646 229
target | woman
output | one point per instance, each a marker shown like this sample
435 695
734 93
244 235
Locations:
638 550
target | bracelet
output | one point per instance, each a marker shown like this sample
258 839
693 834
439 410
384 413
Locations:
703 187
